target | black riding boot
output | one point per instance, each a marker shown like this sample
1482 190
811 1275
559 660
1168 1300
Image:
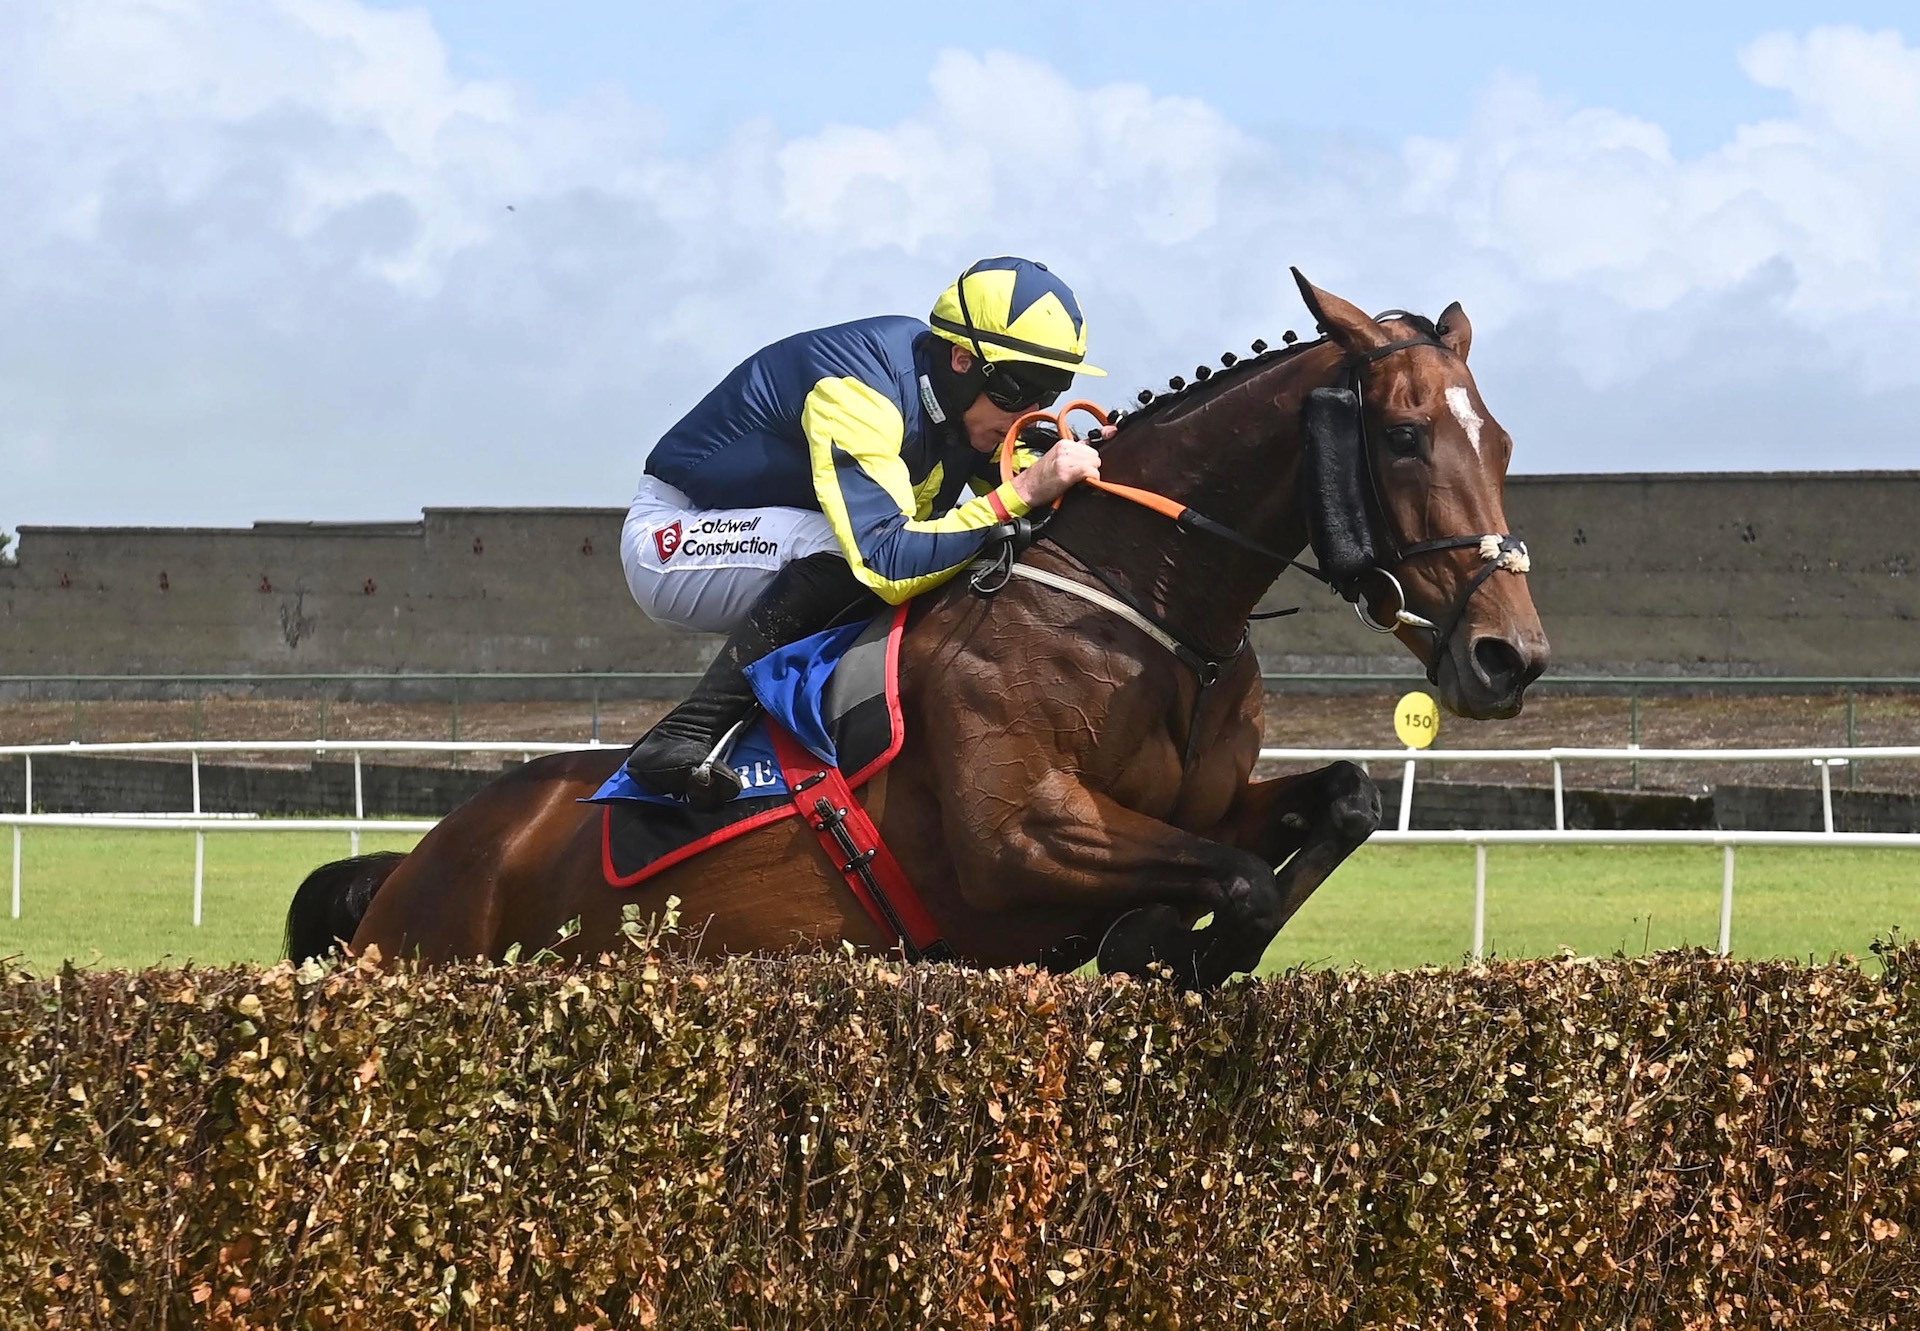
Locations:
805 597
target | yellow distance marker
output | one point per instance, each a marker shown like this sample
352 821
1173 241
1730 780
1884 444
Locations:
1416 720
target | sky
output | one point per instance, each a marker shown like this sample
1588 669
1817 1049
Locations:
342 260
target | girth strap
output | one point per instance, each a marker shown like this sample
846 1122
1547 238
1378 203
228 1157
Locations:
853 844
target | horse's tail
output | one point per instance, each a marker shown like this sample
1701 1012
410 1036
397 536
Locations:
331 903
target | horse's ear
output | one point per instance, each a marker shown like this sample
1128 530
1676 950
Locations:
1456 330
1346 323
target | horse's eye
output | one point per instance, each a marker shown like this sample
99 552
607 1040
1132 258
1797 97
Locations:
1404 440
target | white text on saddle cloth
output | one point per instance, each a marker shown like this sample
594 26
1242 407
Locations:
757 774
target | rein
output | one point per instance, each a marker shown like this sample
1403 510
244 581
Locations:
1182 515
1497 550
1207 666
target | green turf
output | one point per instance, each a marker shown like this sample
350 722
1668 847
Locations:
1407 905
126 899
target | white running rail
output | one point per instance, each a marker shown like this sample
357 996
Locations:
1825 759
200 823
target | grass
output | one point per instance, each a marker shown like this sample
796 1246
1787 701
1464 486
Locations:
112 898
1410 905
115 898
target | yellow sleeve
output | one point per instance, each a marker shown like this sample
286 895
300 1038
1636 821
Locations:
854 435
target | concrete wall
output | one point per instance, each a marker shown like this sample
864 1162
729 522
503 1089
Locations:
1784 573
1779 573
460 590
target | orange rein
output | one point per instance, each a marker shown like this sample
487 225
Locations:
1159 503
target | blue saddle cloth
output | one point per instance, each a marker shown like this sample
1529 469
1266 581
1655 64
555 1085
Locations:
836 692
791 684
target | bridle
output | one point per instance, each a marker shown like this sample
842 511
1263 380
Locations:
1498 550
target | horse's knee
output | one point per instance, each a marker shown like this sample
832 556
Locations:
1250 896
1353 802
1248 910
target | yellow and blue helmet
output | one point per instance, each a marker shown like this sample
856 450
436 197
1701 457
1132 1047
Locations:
1009 309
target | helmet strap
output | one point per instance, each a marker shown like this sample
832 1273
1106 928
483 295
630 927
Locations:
954 390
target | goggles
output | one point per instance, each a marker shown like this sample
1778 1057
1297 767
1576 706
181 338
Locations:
1008 390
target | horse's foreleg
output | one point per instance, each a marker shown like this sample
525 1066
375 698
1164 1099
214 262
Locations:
1070 848
1304 825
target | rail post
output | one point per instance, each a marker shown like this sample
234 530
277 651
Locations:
1826 792
1406 796
359 803
199 846
1853 735
27 758
1559 798
1479 901
1633 731
1726 901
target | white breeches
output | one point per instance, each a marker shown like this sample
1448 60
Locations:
700 568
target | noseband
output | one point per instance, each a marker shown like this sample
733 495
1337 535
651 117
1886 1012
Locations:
1498 550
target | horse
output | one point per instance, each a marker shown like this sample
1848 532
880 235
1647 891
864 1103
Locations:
1075 784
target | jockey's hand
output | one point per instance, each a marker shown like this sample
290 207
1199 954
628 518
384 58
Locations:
1059 469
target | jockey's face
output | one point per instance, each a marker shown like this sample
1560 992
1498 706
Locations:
986 423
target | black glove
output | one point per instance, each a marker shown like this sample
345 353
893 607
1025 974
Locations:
1040 436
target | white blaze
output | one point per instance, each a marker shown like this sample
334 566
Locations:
1464 413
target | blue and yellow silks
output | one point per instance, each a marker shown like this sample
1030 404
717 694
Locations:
843 420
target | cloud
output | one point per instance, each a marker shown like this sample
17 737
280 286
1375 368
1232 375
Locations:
280 259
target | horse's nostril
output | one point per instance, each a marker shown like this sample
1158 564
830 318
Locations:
1500 665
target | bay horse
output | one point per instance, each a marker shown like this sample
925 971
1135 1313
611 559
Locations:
1071 789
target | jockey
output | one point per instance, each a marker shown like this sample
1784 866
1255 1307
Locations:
835 470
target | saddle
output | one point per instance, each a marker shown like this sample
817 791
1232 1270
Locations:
831 722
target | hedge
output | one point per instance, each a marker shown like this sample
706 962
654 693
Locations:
1672 1141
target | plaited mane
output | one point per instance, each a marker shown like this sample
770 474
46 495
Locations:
1207 380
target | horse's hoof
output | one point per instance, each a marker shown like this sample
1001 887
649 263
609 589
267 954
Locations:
1142 937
